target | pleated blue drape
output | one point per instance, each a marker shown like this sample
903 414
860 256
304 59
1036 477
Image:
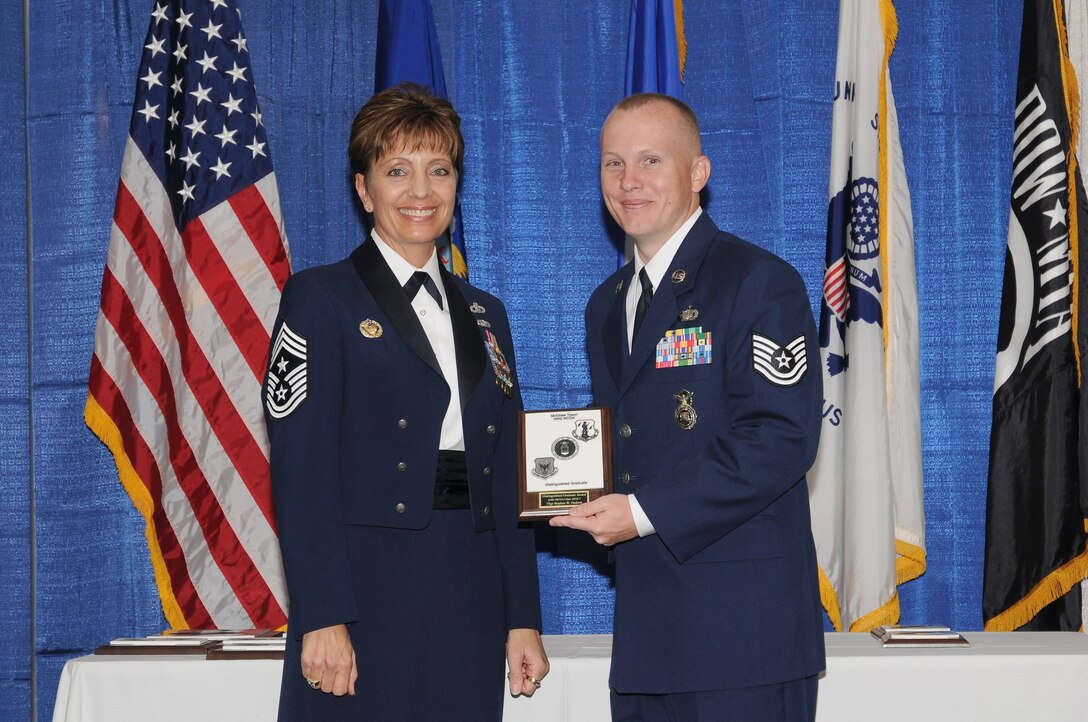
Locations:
533 82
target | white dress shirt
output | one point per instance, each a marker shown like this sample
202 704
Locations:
655 271
438 326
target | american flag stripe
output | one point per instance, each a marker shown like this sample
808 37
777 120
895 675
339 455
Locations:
223 291
165 420
261 221
169 557
251 461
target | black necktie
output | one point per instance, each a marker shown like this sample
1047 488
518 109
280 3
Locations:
422 278
643 305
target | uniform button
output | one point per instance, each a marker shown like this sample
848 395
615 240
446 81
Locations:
403 423
487 510
402 466
487 470
491 428
400 507
625 478
625 431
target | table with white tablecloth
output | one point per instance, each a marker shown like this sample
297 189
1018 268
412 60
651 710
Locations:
1009 677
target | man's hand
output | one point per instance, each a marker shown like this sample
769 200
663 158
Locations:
608 519
329 659
527 660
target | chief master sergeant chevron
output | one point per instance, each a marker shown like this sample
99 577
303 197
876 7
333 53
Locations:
705 348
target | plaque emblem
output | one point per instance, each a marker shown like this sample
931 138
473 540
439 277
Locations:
544 467
679 275
685 412
565 447
370 328
585 429
689 314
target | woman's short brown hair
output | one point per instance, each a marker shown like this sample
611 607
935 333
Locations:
404 116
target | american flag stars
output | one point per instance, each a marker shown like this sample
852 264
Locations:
196 116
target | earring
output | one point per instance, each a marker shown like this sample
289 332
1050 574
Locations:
368 208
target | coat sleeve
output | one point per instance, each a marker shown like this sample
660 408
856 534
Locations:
768 431
516 544
303 395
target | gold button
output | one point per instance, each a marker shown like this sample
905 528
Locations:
402 466
400 507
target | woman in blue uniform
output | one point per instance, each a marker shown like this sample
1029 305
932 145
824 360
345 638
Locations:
390 402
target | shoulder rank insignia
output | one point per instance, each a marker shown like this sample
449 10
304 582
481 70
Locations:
684 347
504 377
476 308
781 364
370 328
286 381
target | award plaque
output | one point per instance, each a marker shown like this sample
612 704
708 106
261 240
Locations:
564 459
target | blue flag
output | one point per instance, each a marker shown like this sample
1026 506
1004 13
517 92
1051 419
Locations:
656 49
408 50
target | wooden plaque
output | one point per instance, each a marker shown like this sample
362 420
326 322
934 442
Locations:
564 459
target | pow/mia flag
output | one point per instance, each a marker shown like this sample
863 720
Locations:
286 374
782 365
1035 537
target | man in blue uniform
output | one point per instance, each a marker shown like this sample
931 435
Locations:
705 348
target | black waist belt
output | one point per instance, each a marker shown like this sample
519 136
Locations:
451 481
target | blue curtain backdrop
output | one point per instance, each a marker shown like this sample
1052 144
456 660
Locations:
533 82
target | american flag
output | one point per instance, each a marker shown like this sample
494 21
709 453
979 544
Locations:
197 260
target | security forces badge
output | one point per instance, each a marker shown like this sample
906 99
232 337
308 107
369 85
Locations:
286 374
781 364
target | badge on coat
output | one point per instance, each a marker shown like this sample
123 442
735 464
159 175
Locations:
370 328
781 364
684 347
286 374
685 412
504 377
476 308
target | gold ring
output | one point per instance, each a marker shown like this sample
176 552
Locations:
533 680
314 683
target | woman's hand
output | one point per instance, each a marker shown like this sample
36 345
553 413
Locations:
527 659
329 660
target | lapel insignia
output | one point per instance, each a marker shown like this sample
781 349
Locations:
684 347
476 308
482 323
286 381
619 286
781 364
504 378
370 328
689 314
685 412
679 275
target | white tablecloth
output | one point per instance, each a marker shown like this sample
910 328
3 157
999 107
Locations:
1013 677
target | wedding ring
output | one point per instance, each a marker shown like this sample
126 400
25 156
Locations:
314 683
533 680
